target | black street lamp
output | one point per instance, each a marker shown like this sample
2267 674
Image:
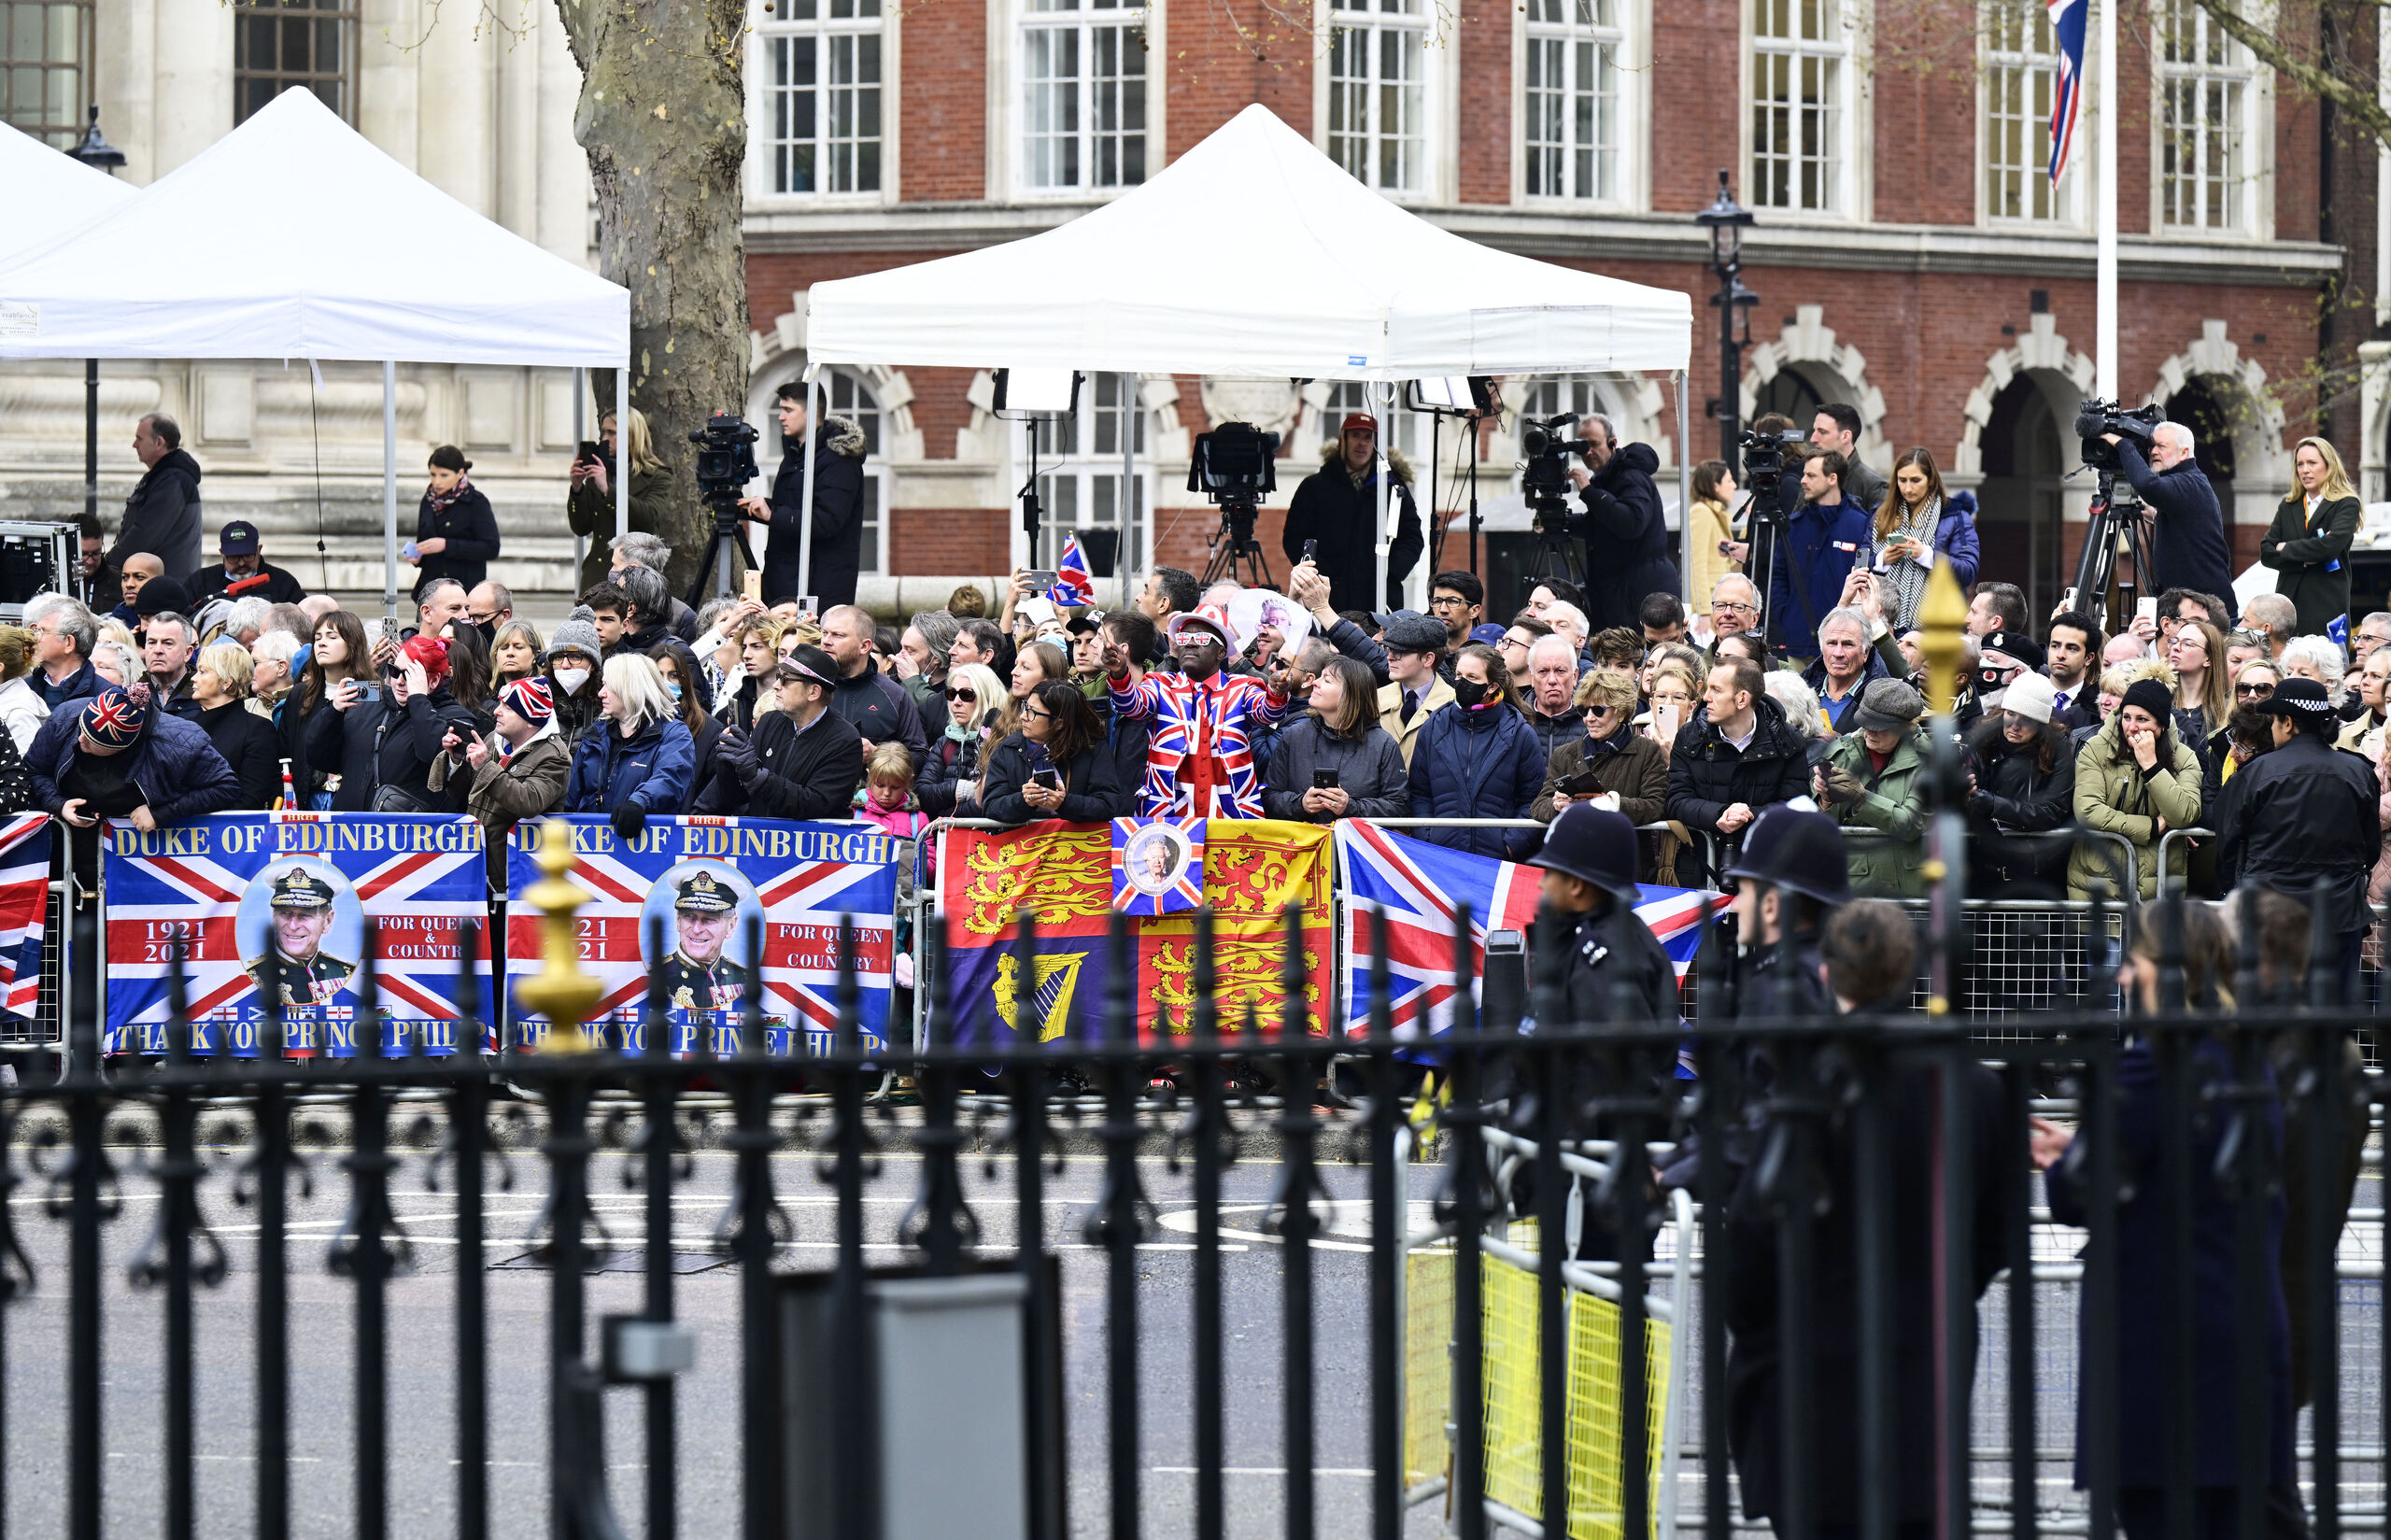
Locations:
96 152
1726 220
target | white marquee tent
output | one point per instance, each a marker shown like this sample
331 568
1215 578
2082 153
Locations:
69 194
294 238
1253 256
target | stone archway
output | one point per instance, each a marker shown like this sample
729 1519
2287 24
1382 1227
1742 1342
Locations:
2063 374
779 353
1833 372
2017 446
2255 419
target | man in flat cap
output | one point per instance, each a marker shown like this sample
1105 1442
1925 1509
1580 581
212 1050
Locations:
295 963
698 977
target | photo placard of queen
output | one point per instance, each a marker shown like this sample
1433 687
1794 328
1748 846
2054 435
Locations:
277 905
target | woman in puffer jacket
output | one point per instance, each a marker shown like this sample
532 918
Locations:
1340 734
2023 770
1478 758
947 783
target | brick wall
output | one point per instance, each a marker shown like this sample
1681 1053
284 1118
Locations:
1217 59
1483 33
775 277
1697 122
970 541
942 101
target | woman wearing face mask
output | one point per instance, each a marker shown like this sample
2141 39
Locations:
572 661
2146 1276
685 683
1478 758
1056 766
514 653
947 782
1335 761
1918 527
339 704
456 534
2022 779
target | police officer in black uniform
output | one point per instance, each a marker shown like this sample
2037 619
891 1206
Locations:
302 913
1615 963
1791 874
698 977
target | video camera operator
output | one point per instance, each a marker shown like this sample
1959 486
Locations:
2186 525
838 506
1336 510
1627 539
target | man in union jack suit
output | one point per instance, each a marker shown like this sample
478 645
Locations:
1200 761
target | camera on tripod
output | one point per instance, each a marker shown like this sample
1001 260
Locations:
1544 476
1765 467
1236 466
726 464
2096 418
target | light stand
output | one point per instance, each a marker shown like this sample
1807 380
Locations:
1024 396
1471 399
95 151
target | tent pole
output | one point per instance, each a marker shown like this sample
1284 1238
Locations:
805 500
580 436
1380 402
623 450
1126 505
390 494
1685 499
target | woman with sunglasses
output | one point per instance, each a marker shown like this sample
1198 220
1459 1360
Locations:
947 781
1613 761
1056 766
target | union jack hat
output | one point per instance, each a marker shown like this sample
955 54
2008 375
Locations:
530 699
114 718
1212 617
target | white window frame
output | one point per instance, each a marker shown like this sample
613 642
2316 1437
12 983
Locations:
767 33
1841 47
1547 395
2246 198
1424 172
1577 33
1348 396
2025 76
1136 25
1069 482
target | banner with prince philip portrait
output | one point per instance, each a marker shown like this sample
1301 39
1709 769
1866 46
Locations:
1253 869
283 901
715 890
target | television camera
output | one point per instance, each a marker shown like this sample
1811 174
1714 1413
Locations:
726 464
1548 443
2116 516
1764 456
1235 465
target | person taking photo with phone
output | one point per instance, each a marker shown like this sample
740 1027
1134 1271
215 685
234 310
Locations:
1056 766
1336 761
589 496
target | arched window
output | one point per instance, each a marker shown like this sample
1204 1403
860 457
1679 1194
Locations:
846 396
1346 396
1079 474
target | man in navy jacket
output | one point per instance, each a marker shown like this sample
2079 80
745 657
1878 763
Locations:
1822 541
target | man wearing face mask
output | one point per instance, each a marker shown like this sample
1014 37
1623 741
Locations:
572 658
1199 763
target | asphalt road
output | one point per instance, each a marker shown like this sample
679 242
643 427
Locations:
422 1356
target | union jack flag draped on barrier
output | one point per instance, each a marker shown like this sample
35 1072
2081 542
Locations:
280 900
24 908
701 881
1418 884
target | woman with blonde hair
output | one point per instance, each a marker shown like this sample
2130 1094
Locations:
219 683
590 500
23 710
1919 526
2308 542
1711 531
637 759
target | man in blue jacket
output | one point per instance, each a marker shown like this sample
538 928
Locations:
1821 542
2186 526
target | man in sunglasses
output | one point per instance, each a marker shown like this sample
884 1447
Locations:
1200 761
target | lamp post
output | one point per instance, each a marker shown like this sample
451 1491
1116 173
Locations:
1726 220
96 152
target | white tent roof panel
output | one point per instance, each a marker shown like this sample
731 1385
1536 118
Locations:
51 193
294 237
1251 256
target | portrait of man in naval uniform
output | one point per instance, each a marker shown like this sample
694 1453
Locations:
698 977
295 963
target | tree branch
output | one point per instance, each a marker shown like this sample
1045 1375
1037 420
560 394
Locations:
2357 99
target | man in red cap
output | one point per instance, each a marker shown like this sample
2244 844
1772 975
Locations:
1337 511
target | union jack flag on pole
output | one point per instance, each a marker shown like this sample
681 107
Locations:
2067 97
1074 585
1416 886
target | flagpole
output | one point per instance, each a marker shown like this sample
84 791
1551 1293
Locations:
2104 231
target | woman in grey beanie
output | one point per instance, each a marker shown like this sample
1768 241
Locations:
573 660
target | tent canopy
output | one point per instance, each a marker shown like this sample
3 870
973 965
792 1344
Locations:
294 237
52 192
1251 256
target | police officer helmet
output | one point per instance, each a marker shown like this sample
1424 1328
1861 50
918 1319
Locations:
1594 845
1798 851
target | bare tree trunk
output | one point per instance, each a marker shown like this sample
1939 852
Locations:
663 118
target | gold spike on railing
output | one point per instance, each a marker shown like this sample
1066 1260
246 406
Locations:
560 992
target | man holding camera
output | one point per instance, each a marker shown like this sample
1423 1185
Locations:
1336 512
1627 540
838 507
2186 525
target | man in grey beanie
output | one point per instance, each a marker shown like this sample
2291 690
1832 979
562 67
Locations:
1873 783
573 660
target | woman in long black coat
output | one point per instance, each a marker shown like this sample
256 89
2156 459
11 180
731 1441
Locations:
2308 542
1060 741
219 685
455 533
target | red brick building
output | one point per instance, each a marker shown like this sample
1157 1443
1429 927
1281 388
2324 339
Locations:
1910 255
